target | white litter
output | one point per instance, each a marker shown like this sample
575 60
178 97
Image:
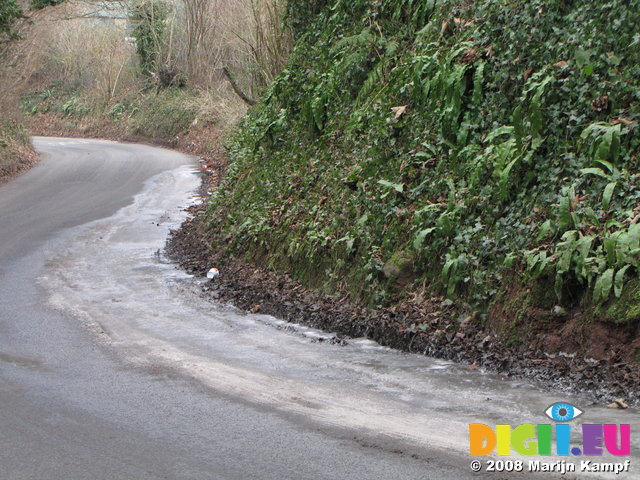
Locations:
213 273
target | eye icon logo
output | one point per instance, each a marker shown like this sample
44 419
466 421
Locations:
563 412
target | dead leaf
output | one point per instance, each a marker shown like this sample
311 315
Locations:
577 200
461 22
561 64
624 120
527 73
470 55
399 111
618 403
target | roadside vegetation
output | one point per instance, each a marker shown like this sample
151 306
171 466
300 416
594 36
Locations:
151 68
473 149
16 153
383 151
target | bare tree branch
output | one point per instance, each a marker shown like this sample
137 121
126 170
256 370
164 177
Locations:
236 88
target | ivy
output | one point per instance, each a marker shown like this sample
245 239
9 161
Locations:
149 19
9 13
464 137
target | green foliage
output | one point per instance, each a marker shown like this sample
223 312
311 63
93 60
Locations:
477 136
162 116
36 4
9 13
74 108
149 19
300 14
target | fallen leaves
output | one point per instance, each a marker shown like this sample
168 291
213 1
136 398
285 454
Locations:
618 403
623 120
399 111
470 55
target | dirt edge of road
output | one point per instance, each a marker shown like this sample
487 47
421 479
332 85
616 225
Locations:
424 325
421 325
16 160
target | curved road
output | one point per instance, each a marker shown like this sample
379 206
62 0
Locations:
112 367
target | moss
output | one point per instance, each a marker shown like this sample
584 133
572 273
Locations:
398 266
543 294
510 315
624 309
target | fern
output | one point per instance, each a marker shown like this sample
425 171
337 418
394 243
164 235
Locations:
375 80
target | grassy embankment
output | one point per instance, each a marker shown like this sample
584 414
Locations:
484 150
15 149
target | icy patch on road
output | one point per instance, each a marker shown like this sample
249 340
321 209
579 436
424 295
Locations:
113 277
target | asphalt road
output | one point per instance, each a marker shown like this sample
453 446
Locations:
112 367
70 410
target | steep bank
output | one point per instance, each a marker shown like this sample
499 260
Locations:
16 152
480 151
424 323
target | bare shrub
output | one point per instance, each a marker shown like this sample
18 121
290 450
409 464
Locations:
90 55
247 36
85 49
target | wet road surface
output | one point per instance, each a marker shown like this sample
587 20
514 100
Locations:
112 366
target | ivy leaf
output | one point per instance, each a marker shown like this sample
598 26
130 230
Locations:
398 187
